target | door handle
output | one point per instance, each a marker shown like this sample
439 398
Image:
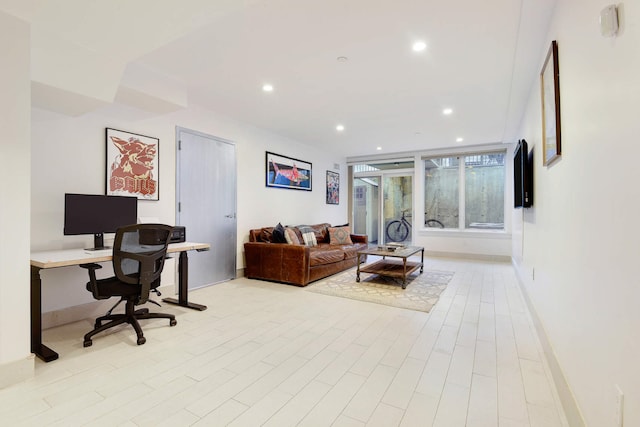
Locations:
233 215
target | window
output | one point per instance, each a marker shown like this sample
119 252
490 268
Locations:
441 192
479 178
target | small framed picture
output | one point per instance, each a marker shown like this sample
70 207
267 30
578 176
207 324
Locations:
132 165
333 188
287 172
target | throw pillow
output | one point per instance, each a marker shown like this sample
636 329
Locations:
291 236
278 234
308 235
339 236
265 235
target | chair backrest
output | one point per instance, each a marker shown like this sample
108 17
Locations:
139 251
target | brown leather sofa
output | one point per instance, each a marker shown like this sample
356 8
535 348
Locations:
298 264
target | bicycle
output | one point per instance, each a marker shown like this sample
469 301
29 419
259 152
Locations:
398 230
433 223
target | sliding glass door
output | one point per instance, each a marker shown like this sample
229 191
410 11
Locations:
397 208
383 201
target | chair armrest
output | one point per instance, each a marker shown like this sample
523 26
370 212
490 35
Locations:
93 283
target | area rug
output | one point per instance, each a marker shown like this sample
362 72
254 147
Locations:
421 294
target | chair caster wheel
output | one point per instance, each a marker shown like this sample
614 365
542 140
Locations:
173 322
142 340
87 343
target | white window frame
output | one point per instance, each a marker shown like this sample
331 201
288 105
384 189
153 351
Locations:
418 187
468 151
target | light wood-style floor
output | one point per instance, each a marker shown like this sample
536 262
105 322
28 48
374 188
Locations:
277 355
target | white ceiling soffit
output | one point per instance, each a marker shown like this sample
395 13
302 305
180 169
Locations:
482 59
149 90
80 49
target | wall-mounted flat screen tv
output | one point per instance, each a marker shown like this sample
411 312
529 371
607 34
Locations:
522 176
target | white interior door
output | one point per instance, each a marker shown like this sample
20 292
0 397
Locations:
206 204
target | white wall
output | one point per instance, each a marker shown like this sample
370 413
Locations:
581 237
488 245
69 156
16 363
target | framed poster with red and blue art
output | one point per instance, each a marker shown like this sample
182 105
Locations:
287 172
132 165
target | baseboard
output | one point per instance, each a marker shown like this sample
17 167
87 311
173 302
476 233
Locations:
477 257
239 273
89 310
16 371
567 400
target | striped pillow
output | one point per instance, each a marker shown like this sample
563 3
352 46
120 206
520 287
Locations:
308 235
291 236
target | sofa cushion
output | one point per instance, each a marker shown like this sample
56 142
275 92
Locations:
339 236
350 251
322 235
265 235
325 255
278 234
291 236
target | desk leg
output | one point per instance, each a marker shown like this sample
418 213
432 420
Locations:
183 285
39 349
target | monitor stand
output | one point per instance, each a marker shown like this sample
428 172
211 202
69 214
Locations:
98 243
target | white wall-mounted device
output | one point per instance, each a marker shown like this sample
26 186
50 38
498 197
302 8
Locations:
609 21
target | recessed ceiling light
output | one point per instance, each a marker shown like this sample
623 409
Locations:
342 59
378 148
340 128
419 46
447 111
459 139
267 87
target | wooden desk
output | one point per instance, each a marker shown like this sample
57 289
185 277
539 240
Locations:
70 257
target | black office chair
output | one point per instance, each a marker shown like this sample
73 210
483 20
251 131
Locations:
139 252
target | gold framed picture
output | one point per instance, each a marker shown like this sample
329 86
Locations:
550 90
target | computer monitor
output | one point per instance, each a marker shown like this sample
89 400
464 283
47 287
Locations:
97 214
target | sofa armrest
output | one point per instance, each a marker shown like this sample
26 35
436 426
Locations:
279 262
360 238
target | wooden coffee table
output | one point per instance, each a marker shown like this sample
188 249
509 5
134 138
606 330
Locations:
393 263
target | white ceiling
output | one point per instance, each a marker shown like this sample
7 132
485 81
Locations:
482 59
